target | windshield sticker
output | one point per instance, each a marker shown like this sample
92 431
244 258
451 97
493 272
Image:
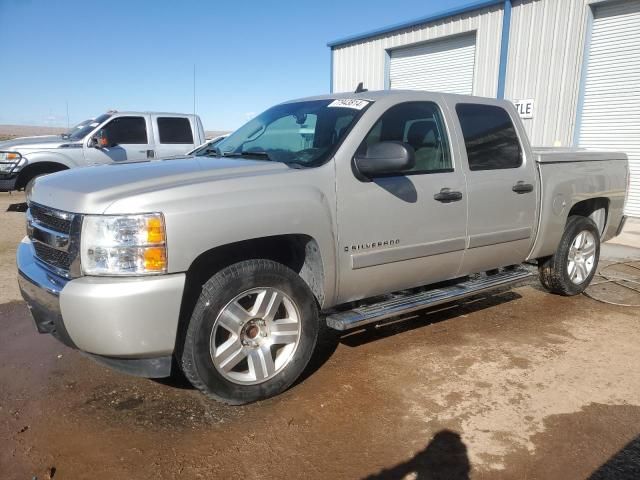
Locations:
94 124
349 103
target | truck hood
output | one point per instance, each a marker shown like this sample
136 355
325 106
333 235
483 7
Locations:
93 189
34 143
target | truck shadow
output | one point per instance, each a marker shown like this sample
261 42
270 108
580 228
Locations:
17 207
427 317
623 465
445 457
330 339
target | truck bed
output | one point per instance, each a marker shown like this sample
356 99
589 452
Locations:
572 175
557 155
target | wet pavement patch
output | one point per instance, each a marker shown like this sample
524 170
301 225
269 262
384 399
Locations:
148 405
129 404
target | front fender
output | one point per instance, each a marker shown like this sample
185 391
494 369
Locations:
50 156
203 216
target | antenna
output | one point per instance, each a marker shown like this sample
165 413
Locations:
360 88
194 88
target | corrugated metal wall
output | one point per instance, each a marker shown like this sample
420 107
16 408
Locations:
611 110
364 61
546 47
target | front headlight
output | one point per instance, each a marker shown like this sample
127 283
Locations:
123 244
10 161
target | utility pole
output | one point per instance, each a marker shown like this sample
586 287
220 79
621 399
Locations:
67 102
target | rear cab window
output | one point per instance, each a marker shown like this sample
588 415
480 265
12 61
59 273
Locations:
489 137
174 130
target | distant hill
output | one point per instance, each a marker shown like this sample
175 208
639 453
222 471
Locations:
215 133
12 131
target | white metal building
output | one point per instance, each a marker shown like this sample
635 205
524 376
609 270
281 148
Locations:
571 66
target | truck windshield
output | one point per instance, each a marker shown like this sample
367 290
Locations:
82 129
298 133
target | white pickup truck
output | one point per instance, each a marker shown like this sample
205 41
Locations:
111 137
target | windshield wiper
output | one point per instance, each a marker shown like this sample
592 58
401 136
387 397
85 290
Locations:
257 154
247 154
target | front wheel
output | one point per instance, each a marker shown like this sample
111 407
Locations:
570 270
252 332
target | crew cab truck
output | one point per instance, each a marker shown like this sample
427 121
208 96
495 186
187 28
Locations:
334 211
111 137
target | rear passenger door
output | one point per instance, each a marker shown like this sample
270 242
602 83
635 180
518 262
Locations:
130 138
501 186
174 135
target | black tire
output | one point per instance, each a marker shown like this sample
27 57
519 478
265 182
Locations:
553 270
217 292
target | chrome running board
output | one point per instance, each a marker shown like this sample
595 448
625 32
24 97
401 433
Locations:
400 303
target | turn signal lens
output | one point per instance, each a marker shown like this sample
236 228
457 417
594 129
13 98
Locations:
155 259
155 230
12 156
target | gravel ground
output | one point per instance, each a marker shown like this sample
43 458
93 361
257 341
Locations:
512 385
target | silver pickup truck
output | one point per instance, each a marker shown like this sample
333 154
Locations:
328 212
111 137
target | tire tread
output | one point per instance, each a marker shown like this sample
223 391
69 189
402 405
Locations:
551 270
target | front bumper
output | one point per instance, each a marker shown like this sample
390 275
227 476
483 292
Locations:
8 183
128 323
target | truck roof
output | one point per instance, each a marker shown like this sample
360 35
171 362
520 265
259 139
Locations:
130 112
381 94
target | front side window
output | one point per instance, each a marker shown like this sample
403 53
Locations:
489 136
420 125
300 133
174 130
127 131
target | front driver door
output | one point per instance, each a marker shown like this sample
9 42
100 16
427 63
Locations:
399 231
130 139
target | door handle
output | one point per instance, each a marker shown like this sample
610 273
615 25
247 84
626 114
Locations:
150 153
522 187
447 195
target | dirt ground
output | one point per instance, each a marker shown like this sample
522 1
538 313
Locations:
518 384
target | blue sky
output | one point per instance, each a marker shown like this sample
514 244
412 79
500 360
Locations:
139 55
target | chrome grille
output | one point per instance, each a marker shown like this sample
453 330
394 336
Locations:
55 236
51 256
51 218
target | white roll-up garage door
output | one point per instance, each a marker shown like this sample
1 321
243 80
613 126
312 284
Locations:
611 109
438 66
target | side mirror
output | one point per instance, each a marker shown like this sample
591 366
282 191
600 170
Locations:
385 158
101 140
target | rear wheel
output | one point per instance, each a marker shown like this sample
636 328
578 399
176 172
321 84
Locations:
252 332
570 270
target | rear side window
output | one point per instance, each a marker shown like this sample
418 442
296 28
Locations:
174 130
127 130
489 136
